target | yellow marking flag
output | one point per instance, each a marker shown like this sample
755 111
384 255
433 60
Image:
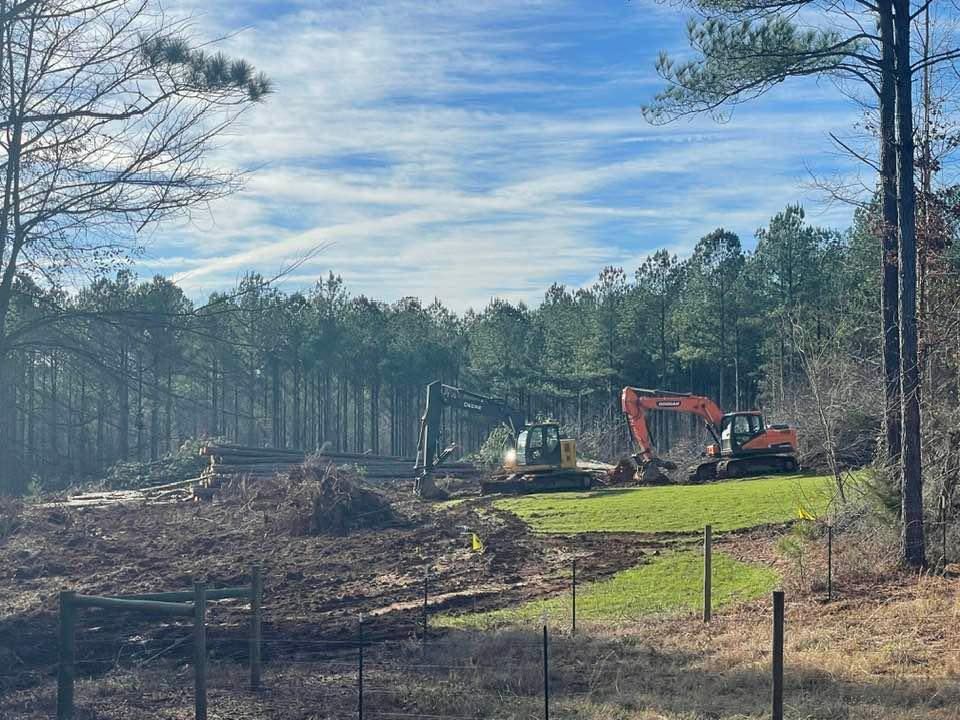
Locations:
476 544
803 514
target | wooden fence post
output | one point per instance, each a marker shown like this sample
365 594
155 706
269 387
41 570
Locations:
68 652
778 655
256 609
707 572
200 650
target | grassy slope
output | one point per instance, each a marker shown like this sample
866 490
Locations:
727 505
670 583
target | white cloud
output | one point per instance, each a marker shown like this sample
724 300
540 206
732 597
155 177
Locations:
467 149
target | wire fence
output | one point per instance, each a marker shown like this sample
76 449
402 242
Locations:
514 674
592 637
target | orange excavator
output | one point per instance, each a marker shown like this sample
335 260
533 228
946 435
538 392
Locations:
743 444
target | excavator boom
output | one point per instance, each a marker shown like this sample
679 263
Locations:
636 403
439 396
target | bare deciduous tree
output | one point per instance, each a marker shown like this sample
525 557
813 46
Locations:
108 112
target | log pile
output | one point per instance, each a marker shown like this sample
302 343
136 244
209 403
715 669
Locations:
228 462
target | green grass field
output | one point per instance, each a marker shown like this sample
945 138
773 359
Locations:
669 584
729 505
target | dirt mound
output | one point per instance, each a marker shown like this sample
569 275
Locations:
321 499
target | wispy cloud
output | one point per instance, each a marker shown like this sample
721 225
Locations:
464 149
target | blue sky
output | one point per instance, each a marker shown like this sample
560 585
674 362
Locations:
469 148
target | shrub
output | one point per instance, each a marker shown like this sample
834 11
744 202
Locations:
182 464
493 448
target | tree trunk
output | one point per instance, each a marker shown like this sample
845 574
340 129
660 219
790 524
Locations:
123 425
275 402
297 438
889 260
325 409
53 449
31 444
910 460
252 406
155 411
140 427
375 418
214 429
168 415
7 445
358 413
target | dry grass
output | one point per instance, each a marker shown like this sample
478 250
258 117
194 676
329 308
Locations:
895 655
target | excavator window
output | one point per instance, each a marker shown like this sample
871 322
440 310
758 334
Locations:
552 440
551 449
522 448
534 445
742 428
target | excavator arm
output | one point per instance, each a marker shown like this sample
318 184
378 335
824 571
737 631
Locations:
439 396
636 403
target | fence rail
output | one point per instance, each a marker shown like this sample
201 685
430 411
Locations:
178 604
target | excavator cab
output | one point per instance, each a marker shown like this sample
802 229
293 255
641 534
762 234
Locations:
539 445
543 460
739 428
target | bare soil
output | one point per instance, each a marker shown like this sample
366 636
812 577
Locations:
316 586
887 646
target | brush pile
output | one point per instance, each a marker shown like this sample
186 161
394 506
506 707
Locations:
320 499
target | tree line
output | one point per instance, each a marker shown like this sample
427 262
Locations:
128 370
875 51
109 110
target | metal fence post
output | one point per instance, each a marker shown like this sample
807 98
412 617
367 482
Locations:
256 610
943 530
426 595
546 676
68 651
360 670
829 563
778 655
573 629
200 650
707 572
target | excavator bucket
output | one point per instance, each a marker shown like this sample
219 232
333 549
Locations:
630 471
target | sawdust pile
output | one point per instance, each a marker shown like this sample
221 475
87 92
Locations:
322 499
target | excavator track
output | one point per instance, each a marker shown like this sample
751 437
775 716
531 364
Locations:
519 483
742 467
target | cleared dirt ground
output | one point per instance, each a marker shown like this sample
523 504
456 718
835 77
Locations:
316 586
882 649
